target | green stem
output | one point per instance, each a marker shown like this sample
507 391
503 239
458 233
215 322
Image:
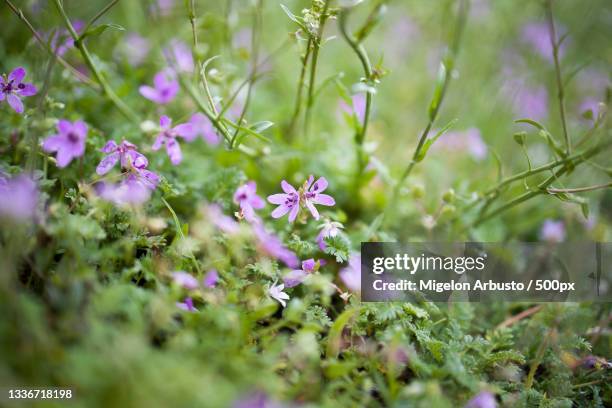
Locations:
300 90
367 70
560 90
435 104
542 187
316 45
579 189
106 89
100 14
254 58
179 231
47 48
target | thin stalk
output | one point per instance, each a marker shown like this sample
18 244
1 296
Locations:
179 231
541 189
106 89
254 57
192 21
316 45
560 90
433 114
100 14
300 89
367 70
574 160
47 48
579 189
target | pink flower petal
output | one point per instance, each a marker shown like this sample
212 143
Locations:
15 103
17 75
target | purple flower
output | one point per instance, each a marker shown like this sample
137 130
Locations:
138 182
220 220
12 89
287 203
168 136
256 399
132 190
165 87
483 399
537 35
62 41
312 195
18 197
125 153
552 231
180 56
358 107
202 126
185 280
297 276
186 305
211 278
272 246
69 142
276 292
329 229
308 195
248 200
351 275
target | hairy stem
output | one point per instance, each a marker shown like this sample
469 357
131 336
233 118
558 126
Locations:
300 89
106 89
316 45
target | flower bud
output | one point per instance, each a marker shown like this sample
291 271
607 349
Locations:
449 196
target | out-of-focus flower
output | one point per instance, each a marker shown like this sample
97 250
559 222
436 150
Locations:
61 40
18 197
351 275
132 190
202 126
469 140
272 246
223 222
256 399
297 276
358 106
289 202
185 280
168 136
592 105
329 229
483 399
135 48
165 87
528 101
276 292
187 305
552 231
12 88
248 200
125 153
312 195
537 35
164 7
211 278
68 143
179 56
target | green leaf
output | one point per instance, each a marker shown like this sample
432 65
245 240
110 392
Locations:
429 142
334 339
99 29
438 91
297 20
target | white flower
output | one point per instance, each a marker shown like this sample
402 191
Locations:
277 293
